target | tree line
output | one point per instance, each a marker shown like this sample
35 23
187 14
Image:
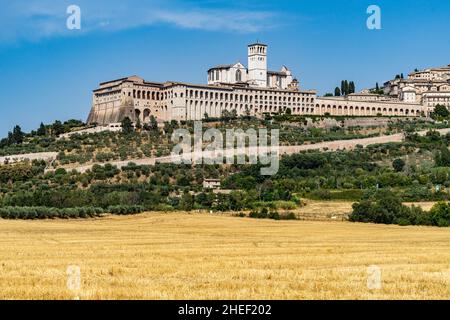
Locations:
385 208
347 87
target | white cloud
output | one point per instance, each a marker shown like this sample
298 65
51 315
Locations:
218 20
37 19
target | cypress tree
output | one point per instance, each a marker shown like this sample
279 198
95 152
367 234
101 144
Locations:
127 126
41 131
138 124
17 135
352 87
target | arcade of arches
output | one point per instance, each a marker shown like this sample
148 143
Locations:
181 101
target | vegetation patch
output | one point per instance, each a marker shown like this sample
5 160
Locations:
386 208
266 213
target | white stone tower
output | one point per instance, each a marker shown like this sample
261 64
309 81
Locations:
257 65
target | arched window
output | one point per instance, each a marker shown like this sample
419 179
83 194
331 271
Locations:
238 76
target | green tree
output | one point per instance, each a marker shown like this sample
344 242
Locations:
138 124
187 202
440 214
153 123
398 165
441 111
337 92
247 113
17 135
127 126
352 87
225 116
442 157
42 130
57 128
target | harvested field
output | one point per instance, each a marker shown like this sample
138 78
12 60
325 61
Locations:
199 256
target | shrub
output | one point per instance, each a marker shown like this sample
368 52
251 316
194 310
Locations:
440 214
285 205
398 165
254 214
125 210
265 214
289 216
274 215
403 222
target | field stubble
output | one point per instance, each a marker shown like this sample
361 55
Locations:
200 256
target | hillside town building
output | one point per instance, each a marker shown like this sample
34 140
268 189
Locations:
429 87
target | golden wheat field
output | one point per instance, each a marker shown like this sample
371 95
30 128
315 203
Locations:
200 256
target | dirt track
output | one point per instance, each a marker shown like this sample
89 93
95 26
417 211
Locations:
47 156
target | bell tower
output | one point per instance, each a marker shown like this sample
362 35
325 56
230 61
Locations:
257 65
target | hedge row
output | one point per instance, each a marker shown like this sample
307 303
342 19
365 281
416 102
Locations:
124 210
31 213
49 213
265 214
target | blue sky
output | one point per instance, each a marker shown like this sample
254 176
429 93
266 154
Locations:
47 72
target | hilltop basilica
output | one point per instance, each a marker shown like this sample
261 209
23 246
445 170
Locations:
254 90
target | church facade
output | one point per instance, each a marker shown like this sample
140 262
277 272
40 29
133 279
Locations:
251 90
